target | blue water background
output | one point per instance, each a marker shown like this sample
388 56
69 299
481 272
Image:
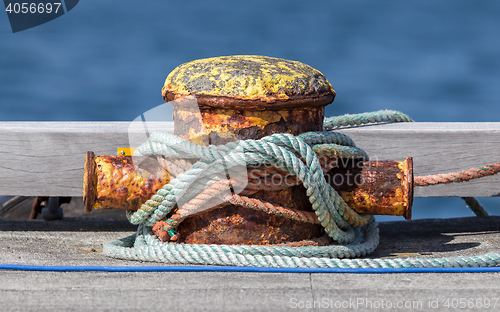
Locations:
107 60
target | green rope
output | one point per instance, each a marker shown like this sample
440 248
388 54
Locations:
283 151
354 235
365 118
146 247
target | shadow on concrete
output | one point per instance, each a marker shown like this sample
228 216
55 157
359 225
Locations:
68 225
416 238
429 236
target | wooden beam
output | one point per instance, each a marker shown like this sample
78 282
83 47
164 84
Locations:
437 148
46 158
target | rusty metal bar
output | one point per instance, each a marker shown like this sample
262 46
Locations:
378 187
116 182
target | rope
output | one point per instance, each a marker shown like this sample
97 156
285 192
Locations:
148 248
205 185
365 118
462 176
459 176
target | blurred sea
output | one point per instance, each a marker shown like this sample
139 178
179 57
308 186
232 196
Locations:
107 60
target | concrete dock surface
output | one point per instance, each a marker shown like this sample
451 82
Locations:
79 242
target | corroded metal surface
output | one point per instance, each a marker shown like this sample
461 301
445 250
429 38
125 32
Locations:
236 225
219 126
378 187
249 97
249 82
116 182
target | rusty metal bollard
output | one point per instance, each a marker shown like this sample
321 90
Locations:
250 97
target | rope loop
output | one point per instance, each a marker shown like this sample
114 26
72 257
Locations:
211 182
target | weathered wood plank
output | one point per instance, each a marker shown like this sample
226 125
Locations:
437 148
46 158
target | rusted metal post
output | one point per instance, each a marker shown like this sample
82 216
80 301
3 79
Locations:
250 97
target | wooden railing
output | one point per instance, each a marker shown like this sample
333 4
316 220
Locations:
47 158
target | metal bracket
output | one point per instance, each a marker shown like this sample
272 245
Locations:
125 151
53 211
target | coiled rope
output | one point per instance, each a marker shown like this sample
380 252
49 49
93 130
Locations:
205 185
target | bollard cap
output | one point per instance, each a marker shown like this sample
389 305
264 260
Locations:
249 82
